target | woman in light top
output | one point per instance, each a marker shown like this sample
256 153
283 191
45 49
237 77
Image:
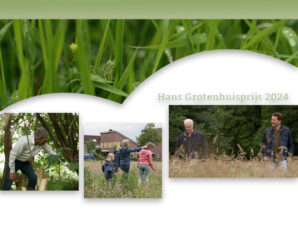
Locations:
145 162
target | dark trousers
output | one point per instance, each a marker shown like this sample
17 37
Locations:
26 169
125 168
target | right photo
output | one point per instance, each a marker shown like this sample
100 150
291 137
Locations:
233 141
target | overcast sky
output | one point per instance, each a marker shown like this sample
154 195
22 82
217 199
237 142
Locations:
131 130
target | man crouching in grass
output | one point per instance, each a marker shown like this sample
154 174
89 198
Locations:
19 158
277 143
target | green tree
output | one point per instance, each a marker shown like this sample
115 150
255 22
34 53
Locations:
149 134
91 146
63 130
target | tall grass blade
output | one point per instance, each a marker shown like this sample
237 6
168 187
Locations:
100 50
24 88
265 43
167 29
124 79
212 34
292 57
43 44
4 30
3 90
81 58
178 43
46 82
264 33
110 89
278 35
59 41
52 80
119 47
187 26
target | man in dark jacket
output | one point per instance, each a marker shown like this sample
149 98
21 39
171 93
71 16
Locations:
191 142
277 143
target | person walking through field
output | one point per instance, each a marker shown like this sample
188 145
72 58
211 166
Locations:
19 158
108 167
124 156
145 162
277 143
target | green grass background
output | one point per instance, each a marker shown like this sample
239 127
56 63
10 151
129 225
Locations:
114 56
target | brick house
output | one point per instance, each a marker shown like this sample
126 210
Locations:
112 139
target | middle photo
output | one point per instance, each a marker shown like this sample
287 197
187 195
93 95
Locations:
123 160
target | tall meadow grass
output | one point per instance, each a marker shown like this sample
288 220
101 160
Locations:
121 185
229 168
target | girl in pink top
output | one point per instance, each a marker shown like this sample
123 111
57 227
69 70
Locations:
145 162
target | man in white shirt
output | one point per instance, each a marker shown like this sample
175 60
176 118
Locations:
19 158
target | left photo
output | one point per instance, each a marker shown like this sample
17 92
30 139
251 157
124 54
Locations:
39 151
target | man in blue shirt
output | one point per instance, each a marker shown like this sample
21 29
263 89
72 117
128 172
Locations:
277 143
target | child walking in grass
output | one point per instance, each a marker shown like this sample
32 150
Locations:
108 167
124 156
145 162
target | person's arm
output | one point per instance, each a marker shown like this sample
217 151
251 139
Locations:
17 149
49 150
150 161
134 150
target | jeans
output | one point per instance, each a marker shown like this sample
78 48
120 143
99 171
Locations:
143 172
26 169
279 164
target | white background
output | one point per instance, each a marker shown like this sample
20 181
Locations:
186 203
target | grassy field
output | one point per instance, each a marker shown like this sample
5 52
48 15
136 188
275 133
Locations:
109 59
229 169
121 186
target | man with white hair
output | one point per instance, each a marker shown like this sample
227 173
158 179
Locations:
191 141
19 158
